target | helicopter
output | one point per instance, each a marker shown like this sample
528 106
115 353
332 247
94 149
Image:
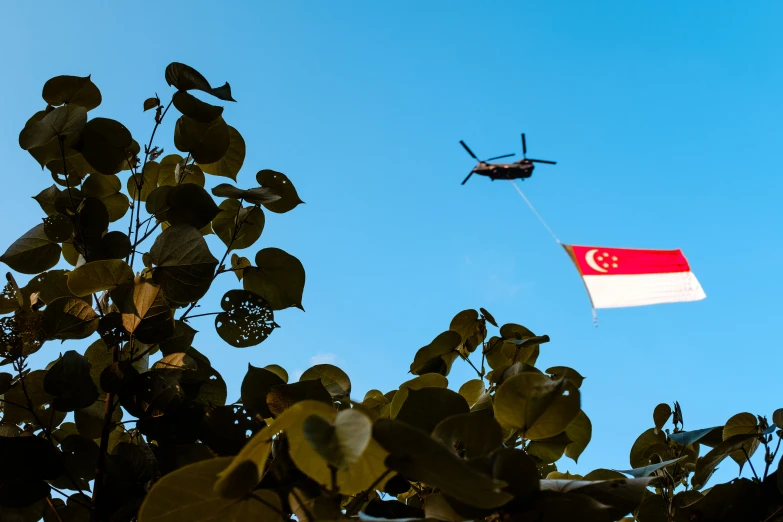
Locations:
521 169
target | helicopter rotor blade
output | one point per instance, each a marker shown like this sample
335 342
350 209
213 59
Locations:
543 161
498 157
466 179
524 144
469 151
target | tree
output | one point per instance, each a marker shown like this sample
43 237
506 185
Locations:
105 436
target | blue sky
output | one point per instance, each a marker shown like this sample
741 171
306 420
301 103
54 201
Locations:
664 119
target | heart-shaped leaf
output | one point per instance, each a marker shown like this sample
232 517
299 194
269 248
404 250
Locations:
72 90
536 405
247 320
278 277
231 163
61 122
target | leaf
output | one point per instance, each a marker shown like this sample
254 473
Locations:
170 166
256 196
549 450
278 370
646 471
741 424
278 277
429 380
604 474
439 355
180 340
184 267
72 90
426 407
106 145
148 180
472 329
63 121
246 469
564 372
70 318
50 286
616 498
255 387
107 189
336 381
279 182
146 313
16 396
536 405
249 220
648 444
186 78
283 396
58 228
580 431
246 321
32 253
46 198
706 465
472 390
488 316
190 204
97 276
661 415
686 438
194 108
417 457
151 103
196 500
469 435
777 418
206 142
342 443
362 463
238 265
70 383
115 245
231 163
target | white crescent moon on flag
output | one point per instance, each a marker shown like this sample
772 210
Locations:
590 260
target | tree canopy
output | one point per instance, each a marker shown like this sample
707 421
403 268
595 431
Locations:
139 426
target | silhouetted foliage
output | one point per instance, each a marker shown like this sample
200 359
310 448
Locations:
149 435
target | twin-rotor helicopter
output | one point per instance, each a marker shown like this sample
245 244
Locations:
521 169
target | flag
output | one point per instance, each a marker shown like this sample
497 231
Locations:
619 277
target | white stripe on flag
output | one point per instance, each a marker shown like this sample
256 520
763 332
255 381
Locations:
615 291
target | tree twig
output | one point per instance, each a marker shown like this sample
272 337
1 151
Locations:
218 271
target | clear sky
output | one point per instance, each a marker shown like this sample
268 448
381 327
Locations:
664 119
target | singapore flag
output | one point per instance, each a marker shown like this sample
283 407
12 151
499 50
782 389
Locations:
620 277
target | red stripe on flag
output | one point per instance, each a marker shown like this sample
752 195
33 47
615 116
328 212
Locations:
628 261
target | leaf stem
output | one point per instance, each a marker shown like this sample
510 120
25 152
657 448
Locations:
237 228
140 184
51 506
472 366
749 462
202 315
769 463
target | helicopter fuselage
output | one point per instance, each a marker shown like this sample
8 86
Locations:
521 169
